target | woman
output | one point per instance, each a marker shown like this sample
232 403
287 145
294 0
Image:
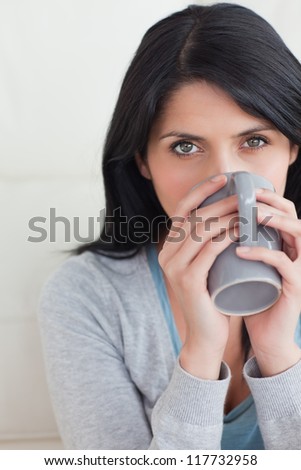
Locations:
136 354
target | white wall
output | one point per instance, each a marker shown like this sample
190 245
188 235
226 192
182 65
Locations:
61 64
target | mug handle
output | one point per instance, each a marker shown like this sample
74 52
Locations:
242 184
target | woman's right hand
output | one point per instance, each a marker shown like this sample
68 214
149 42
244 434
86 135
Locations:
186 261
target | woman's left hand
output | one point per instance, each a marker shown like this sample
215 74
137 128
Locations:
272 331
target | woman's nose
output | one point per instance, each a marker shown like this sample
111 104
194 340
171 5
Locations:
227 164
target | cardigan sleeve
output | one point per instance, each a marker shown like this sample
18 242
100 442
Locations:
189 415
278 405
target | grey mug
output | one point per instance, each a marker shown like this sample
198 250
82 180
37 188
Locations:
238 286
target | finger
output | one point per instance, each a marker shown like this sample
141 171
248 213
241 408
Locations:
275 200
191 242
208 215
266 217
290 227
265 208
214 211
198 194
277 259
182 227
205 259
177 231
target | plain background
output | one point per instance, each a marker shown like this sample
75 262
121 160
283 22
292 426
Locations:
61 66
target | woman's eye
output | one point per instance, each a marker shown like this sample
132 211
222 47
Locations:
185 148
255 142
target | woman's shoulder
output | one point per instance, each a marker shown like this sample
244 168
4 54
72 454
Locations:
89 290
90 273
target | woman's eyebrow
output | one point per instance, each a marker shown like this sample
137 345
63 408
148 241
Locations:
253 130
182 135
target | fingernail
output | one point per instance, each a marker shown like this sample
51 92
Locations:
243 249
217 178
259 190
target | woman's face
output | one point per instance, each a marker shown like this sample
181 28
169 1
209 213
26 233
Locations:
203 132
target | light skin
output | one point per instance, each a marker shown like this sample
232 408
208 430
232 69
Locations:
202 132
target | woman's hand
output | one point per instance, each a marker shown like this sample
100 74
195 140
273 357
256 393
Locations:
188 253
272 331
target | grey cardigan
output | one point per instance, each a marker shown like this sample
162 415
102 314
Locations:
113 376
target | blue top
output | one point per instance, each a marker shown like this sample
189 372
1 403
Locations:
241 430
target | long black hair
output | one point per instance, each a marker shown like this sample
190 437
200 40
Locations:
226 45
